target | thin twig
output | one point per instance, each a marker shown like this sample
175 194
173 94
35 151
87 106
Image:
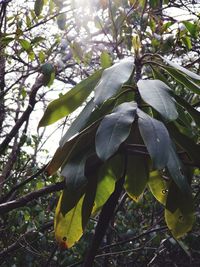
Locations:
24 182
160 229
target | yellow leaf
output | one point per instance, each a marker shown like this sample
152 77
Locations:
105 187
158 187
136 44
178 223
68 227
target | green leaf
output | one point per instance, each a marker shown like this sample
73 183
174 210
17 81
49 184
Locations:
41 56
75 181
113 167
154 3
156 94
89 116
76 51
175 169
112 79
105 60
114 130
70 101
79 123
186 143
38 7
105 187
192 28
155 137
68 227
28 21
184 123
181 78
195 114
6 40
179 224
136 176
37 39
158 186
187 42
159 76
25 45
48 72
106 107
125 96
187 72
31 55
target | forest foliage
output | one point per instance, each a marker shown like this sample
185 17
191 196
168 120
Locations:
124 84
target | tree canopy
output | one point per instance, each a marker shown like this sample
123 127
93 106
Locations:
118 83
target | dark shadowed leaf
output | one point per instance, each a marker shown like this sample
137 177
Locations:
112 79
182 69
74 146
183 202
175 169
157 74
108 106
70 101
183 79
90 114
89 199
79 123
136 176
155 137
156 94
114 130
186 143
38 7
195 114
185 120
75 182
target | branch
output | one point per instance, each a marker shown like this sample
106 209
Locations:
24 182
22 201
18 244
25 115
134 238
